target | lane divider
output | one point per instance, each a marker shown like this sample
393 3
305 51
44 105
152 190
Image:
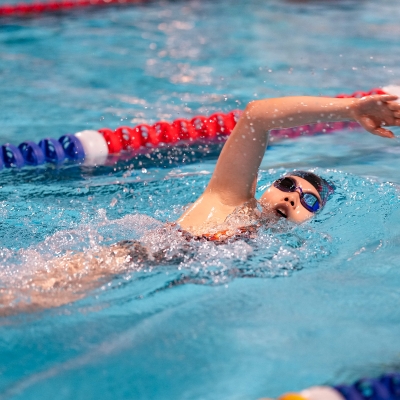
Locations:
40 7
386 387
93 147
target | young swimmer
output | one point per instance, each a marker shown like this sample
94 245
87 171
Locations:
225 210
233 182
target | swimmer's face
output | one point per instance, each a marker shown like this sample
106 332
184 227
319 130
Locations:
287 204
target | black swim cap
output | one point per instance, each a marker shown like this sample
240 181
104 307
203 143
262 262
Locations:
321 185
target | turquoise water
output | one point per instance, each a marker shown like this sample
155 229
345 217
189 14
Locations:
297 306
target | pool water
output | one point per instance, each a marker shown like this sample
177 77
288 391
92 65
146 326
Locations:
294 307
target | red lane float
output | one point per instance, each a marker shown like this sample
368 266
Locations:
93 147
22 9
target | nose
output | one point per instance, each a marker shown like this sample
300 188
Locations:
292 199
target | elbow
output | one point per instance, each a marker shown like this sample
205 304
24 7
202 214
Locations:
251 111
251 108
258 109
255 119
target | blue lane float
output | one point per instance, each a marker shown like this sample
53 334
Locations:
53 151
386 387
72 147
12 156
32 153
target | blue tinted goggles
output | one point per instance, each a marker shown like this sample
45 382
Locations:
308 200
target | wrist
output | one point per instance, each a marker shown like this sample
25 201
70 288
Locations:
351 109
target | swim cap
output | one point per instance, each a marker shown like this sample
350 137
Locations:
323 187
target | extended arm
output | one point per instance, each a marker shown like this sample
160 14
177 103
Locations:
64 280
236 170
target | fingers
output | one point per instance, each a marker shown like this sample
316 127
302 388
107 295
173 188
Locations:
369 125
383 132
387 97
393 106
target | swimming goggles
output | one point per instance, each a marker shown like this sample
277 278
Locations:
308 200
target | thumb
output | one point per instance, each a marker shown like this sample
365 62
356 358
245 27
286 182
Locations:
369 125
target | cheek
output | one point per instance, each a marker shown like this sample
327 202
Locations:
270 196
300 214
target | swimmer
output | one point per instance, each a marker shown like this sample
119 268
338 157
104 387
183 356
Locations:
299 195
225 210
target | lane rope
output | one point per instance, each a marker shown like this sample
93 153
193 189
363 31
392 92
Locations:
94 147
386 387
41 7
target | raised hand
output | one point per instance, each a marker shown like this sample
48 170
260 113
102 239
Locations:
374 112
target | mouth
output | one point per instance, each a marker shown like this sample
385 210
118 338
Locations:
281 213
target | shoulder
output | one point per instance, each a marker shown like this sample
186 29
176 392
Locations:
208 211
